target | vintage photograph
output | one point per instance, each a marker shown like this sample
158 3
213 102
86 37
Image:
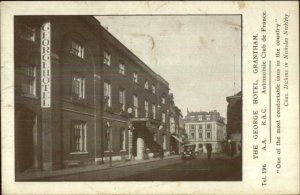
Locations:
128 97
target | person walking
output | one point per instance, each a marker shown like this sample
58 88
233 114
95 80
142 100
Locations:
208 151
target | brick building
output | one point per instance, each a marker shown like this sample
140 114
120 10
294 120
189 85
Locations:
81 96
205 128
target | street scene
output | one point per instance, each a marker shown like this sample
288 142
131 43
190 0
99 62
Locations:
128 98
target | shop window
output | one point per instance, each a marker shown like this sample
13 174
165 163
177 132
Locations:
78 136
122 139
77 49
28 83
78 87
106 58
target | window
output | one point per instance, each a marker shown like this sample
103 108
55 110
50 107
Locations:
135 106
121 68
122 139
77 49
192 127
163 117
106 58
122 99
153 89
107 143
208 134
200 134
107 94
28 83
163 99
78 87
192 134
208 117
208 126
146 109
28 32
153 111
154 137
146 84
135 77
200 117
78 136
200 127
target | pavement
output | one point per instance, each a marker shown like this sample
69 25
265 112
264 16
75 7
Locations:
118 169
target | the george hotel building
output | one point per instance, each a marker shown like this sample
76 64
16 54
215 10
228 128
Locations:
81 96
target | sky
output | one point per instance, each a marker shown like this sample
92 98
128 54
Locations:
200 56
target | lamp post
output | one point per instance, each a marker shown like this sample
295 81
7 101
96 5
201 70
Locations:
229 143
130 128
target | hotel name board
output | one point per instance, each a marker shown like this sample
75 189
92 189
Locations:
46 65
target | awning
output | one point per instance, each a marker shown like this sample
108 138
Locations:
177 138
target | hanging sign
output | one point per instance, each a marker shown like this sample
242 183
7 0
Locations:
46 65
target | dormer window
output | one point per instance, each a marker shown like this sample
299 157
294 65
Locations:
77 49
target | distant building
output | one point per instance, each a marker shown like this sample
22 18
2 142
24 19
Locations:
176 127
205 128
234 123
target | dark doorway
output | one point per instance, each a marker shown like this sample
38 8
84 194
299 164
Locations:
25 129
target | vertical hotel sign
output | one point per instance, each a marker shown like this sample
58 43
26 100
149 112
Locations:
46 65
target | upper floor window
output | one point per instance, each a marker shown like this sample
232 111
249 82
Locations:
122 99
163 117
208 134
200 127
78 136
153 89
200 134
153 111
208 126
192 127
28 83
192 134
28 32
135 105
146 108
78 87
163 99
121 68
135 77
146 84
208 117
77 49
200 117
107 94
106 58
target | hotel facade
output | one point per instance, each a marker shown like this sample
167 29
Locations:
82 97
206 128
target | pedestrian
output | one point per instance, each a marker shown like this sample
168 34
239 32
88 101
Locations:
208 151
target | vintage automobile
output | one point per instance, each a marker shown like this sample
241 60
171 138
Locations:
188 151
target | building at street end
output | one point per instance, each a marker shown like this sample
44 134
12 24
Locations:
205 128
234 124
82 97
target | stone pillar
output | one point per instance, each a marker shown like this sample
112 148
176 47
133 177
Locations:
139 148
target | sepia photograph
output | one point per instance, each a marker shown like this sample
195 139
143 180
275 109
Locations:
128 98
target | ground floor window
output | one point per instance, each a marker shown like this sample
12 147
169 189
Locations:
123 139
165 142
78 136
107 137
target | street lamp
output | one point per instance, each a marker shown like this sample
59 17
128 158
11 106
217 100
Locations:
229 143
130 128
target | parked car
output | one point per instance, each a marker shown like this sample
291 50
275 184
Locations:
188 151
